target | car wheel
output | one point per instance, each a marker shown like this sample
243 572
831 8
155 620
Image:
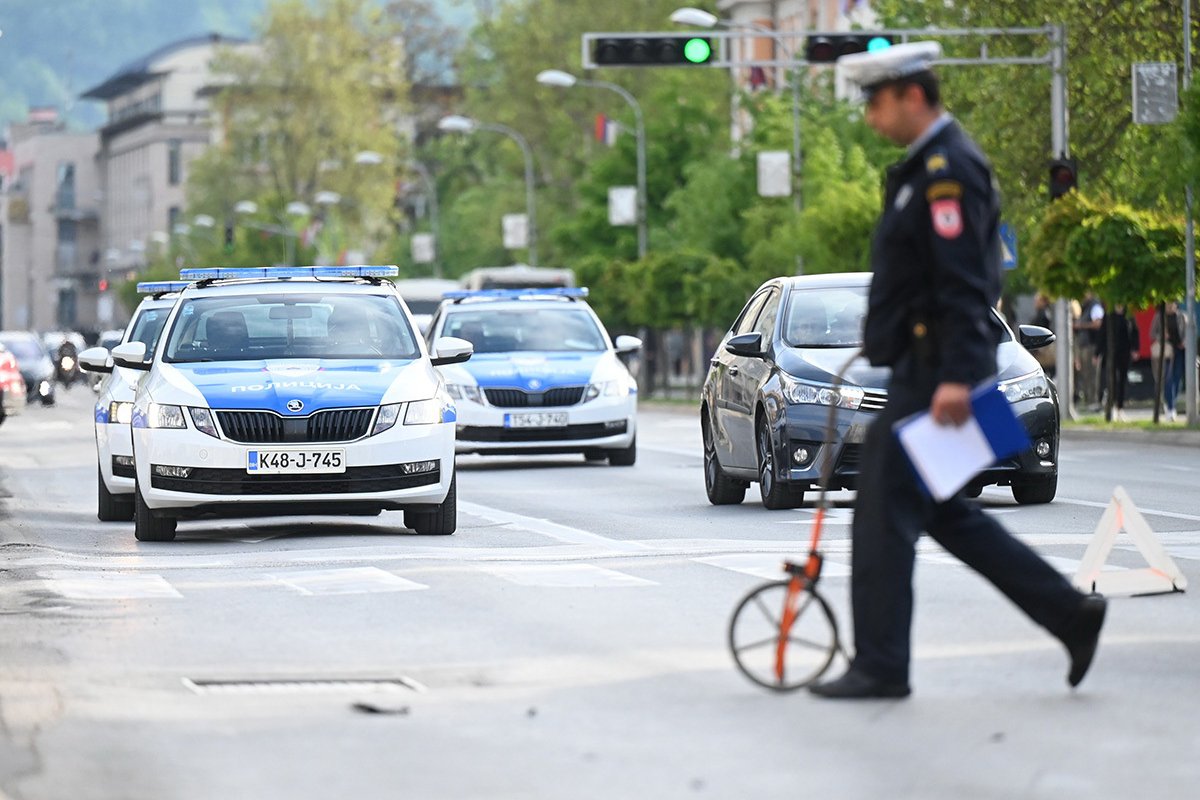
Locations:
1034 492
775 495
111 507
625 457
147 527
442 521
720 488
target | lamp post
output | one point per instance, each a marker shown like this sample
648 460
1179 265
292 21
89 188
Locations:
702 19
371 158
565 80
296 208
459 124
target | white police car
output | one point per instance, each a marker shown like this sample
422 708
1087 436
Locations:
114 403
545 377
295 390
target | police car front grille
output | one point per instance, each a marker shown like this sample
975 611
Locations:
265 427
517 398
207 480
873 400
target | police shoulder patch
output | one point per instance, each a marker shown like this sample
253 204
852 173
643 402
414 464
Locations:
939 190
936 162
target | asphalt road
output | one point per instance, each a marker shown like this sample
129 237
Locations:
567 641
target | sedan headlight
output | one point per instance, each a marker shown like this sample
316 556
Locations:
202 418
1026 387
604 389
162 416
800 392
424 412
387 417
464 391
120 412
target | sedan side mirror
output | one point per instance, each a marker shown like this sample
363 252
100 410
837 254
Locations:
1035 337
628 344
131 355
746 344
451 350
95 359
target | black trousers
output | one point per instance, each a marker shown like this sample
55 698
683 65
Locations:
891 512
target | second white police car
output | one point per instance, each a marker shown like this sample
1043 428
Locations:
294 390
545 378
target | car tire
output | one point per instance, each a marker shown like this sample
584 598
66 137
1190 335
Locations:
149 528
111 507
1035 492
624 457
775 495
721 489
442 521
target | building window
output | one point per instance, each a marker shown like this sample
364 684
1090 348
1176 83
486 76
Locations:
64 192
172 219
174 161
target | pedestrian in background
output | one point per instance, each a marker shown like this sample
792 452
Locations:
1087 359
1173 353
1118 335
1042 317
936 262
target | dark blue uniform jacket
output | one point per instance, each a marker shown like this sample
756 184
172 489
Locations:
936 259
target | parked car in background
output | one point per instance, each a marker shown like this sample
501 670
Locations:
12 386
517 276
765 402
37 368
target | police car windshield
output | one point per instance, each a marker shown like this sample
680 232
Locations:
825 317
148 326
295 325
494 330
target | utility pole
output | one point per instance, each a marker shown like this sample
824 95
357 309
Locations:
1193 417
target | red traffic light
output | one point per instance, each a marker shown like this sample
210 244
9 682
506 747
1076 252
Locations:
102 285
1063 177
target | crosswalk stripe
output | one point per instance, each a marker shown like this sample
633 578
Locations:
83 585
564 575
350 580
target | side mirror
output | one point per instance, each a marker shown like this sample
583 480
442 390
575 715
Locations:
1035 337
131 355
451 350
628 344
95 359
746 344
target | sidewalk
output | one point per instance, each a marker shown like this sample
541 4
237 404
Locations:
1138 427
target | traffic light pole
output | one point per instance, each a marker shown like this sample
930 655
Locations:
1190 379
1064 372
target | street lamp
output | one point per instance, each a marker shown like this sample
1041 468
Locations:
702 19
459 124
371 158
565 80
295 208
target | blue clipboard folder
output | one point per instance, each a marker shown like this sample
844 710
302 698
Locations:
946 457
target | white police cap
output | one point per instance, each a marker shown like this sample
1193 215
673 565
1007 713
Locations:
898 61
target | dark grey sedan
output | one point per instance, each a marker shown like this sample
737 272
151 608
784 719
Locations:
770 385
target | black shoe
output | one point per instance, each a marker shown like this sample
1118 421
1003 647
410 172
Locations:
857 685
1083 634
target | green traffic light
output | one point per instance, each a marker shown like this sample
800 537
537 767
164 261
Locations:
877 43
697 51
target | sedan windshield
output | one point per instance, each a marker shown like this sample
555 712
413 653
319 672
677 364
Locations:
300 325
510 330
826 317
148 327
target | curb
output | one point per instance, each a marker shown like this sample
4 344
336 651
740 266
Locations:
1169 437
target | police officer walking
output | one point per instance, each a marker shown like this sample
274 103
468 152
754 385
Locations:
937 275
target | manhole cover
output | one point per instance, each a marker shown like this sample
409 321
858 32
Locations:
303 686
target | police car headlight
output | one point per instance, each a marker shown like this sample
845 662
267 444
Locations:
1026 387
799 392
162 416
464 391
605 389
423 412
120 412
387 417
202 418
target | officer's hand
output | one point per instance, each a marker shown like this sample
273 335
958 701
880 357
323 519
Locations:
951 404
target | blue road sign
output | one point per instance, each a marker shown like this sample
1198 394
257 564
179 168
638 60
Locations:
1008 246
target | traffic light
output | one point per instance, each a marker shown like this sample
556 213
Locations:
228 237
1063 177
653 51
102 284
825 48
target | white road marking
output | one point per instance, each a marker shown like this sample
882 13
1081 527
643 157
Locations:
564 576
351 580
1177 469
80 585
673 451
769 566
554 530
1145 511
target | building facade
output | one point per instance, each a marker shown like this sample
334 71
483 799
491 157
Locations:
159 120
49 228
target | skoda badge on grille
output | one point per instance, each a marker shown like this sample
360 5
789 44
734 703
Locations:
294 406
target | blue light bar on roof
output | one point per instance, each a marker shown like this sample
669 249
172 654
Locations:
516 294
275 273
161 287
